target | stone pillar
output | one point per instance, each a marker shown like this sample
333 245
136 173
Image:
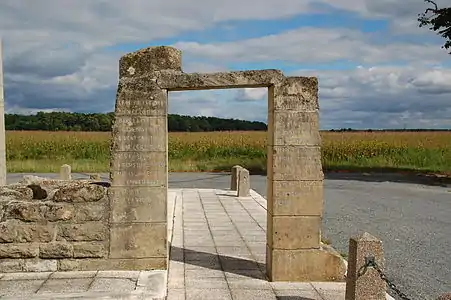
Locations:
234 178
138 194
244 183
295 186
369 285
65 172
2 124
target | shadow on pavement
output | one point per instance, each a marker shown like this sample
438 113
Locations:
235 265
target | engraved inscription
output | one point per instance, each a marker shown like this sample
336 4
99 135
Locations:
139 134
142 103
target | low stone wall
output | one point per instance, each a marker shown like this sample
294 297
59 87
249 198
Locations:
52 225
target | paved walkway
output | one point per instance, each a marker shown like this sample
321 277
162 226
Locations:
218 251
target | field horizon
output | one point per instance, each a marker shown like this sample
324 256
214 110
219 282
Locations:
216 151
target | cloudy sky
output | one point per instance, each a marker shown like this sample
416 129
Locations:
376 67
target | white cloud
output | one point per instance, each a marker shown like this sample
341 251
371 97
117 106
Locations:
64 56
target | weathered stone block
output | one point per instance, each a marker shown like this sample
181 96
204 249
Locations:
234 178
294 128
176 81
95 211
11 265
135 168
40 265
65 172
244 183
26 211
59 212
27 250
138 204
293 233
138 264
56 250
92 231
16 192
305 87
150 59
13 231
138 240
141 103
294 198
89 250
305 265
369 285
295 163
136 133
79 192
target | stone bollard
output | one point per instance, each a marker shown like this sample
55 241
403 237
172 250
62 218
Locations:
234 178
244 183
446 296
65 171
369 286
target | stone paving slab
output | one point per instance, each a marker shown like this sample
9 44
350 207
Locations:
84 285
218 251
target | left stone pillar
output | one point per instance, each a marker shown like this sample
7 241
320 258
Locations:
138 193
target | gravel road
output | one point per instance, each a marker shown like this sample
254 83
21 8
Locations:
413 219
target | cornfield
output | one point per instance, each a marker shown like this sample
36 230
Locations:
89 151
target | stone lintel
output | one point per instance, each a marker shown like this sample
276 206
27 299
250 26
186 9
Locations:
175 81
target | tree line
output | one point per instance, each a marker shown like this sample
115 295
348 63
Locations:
66 121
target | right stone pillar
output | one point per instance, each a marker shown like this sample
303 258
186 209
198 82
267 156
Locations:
295 187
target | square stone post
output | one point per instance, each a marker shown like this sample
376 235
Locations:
234 178
138 194
295 186
369 286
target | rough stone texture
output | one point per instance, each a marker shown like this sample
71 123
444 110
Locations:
56 250
176 81
65 172
234 178
138 197
43 221
369 285
446 296
244 183
89 250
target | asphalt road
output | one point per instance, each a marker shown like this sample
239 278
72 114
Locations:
412 217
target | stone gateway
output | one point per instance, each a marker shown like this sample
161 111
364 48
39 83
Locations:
57 225
139 169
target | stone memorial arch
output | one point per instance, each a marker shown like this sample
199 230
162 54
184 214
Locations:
139 165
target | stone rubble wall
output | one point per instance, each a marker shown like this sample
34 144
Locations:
45 225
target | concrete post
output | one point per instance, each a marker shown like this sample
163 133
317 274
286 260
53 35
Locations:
244 184
65 172
234 178
369 286
2 125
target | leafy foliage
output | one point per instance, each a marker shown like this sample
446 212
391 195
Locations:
64 121
439 20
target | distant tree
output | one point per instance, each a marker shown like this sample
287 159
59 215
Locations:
439 20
